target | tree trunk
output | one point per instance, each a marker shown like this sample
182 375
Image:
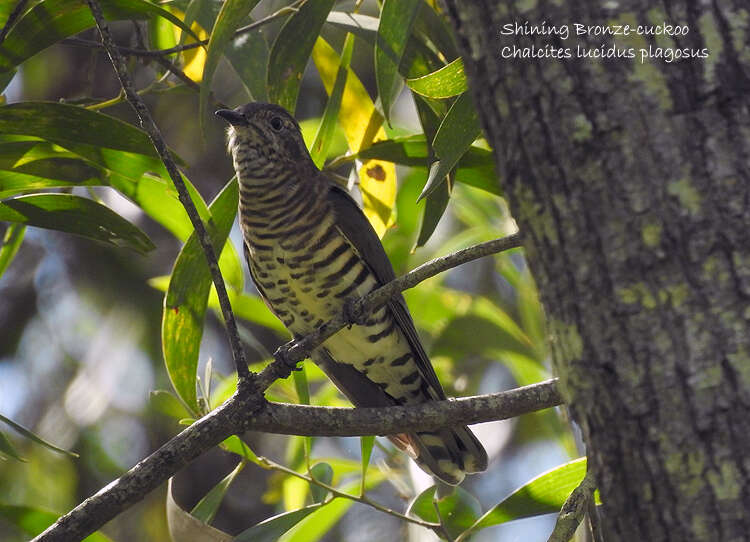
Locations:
630 181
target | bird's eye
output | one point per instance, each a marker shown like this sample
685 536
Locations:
277 124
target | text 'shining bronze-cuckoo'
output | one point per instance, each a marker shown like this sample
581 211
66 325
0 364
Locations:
310 249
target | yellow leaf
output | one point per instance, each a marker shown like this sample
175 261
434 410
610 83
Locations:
193 59
362 125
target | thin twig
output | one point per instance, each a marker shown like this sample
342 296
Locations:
148 124
295 351
356 498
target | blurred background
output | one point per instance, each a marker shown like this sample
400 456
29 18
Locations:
80 348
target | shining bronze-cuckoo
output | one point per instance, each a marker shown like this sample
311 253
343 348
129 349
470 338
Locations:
310 249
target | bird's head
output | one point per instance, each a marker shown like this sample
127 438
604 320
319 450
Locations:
261 133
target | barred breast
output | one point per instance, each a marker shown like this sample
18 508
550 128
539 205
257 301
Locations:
306 269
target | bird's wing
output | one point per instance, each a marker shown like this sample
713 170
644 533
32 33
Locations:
360 234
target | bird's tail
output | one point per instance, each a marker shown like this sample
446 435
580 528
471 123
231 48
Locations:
448 454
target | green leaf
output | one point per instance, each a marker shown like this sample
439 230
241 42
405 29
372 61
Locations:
396 19
434 209
187 297
33 521
322 472
231 16
457 132
99 138
74 214
446 82
248 55
291 50
271 529
50 21
11 243
207 507
544 494
320 522
34 437
365 445
457 511
328 123
7 449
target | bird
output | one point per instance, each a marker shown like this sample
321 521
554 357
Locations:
311 250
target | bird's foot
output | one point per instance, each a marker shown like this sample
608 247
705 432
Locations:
282 355
353 312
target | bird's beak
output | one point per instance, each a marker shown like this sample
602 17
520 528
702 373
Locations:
232 117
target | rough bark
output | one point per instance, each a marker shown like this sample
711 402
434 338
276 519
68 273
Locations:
631 183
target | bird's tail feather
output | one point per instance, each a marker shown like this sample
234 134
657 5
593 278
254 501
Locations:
447 454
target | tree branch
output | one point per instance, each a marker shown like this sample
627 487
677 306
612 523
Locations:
236 415
148 124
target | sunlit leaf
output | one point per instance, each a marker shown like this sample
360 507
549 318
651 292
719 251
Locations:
321 521
291 51
446 82
365 444
207 507
271 529
542 495
396 19
231 16
52 20
457 132
362 126
11 243
74 214
187 297
324 136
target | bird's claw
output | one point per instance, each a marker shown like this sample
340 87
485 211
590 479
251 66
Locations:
353 313
282 355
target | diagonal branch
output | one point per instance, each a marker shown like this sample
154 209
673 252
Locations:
148 124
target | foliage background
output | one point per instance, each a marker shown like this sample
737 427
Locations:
80 348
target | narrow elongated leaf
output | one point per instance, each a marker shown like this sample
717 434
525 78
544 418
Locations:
396 19
320 522
33 521
446 82
435 205
34 437
74 214
365 445
11 243
324 136
362 125
544 494
291 50
271 529
231 16
187 296
207 507
457 132
248 55
50 21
